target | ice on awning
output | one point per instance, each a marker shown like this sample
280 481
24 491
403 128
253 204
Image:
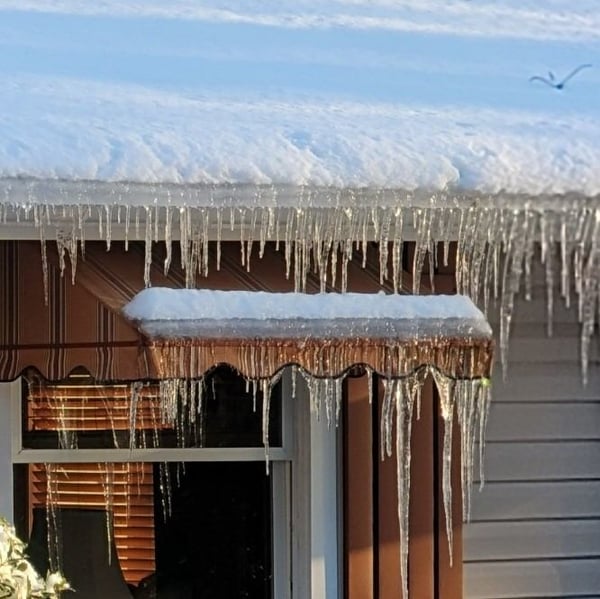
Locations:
188 331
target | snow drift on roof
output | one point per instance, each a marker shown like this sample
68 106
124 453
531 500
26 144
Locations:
306 93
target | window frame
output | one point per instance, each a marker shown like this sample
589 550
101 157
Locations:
306 488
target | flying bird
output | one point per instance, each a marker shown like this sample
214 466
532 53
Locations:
551 79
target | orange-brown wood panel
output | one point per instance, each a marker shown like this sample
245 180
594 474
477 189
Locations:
422 502
450 577
421 519
388 563
358 492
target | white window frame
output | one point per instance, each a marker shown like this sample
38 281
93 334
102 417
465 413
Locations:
306 535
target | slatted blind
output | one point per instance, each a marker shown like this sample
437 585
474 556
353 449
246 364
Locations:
125 489
90 408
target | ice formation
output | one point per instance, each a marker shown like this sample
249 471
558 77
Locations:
497 239
323 229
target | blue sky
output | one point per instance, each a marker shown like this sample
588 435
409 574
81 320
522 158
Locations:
354 63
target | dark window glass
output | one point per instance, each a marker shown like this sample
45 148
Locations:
216 542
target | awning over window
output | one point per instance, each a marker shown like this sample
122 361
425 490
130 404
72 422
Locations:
65 327
189 331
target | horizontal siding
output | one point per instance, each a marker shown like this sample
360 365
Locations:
539 579
534 500
566 460
535 528
530 311
545 382
543 421
543 539
530 344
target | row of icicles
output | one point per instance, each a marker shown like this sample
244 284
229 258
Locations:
180 408
496 246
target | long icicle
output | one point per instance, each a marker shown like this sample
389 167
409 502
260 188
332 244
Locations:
446 386
404 393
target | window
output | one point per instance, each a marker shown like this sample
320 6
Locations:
182 496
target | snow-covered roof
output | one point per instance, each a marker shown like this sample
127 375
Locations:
396 94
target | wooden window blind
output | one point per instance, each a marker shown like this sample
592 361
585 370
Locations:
127 489
90 408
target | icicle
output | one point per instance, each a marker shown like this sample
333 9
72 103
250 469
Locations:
266 404
109 210
108 410
338 392
44 264
165 490
547 259
404 396
472 401
384 237
564 255
67 438
445 387
422 219
52 532
484 410
127 224
294 380
590 295
168 242
107 489
134 398
219 236
148 248
511 279
387 414
528 259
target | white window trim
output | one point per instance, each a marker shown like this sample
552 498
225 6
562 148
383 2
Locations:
305 466
9 393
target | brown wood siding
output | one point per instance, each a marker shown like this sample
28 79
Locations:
358 492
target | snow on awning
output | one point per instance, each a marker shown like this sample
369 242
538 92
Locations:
189 331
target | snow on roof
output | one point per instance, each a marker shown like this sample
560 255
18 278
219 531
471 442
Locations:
162 312
422 94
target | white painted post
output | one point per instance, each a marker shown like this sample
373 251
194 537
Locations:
6 474
324 510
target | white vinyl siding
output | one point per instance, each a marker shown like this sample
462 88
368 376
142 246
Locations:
535 528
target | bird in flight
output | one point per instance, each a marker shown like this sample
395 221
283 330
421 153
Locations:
551 79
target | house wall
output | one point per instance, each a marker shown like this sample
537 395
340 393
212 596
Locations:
6 479
535 528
